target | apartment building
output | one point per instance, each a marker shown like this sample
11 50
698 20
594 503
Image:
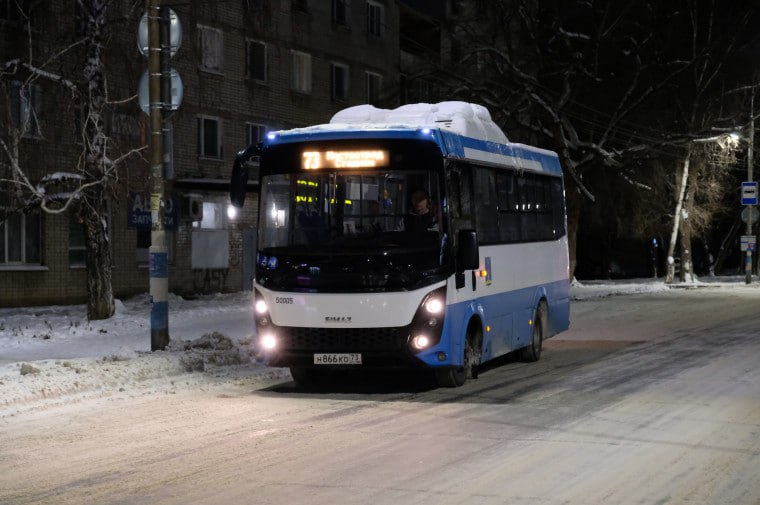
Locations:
247 67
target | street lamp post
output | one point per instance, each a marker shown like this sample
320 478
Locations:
750 141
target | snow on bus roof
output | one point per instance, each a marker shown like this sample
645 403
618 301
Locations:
462 118
467 119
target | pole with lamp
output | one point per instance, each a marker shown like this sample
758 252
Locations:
749 196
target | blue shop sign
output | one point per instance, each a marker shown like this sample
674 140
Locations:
139 217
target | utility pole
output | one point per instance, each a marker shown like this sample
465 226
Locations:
750 148
159 264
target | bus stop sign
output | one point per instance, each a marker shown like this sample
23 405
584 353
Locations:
748 243
749 193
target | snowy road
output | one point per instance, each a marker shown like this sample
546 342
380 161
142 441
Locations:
649 399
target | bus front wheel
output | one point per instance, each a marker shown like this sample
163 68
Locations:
457 376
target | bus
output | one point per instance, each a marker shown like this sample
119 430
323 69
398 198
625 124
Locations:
343 281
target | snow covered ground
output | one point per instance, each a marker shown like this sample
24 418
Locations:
52 354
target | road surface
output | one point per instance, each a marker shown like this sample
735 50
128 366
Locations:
649 399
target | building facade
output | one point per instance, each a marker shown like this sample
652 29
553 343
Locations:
247 67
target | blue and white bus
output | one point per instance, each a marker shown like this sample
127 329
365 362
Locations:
340 282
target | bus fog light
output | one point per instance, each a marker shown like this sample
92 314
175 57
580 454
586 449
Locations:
420 341
268 342
441 356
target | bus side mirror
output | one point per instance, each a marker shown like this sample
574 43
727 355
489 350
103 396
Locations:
240 172
238 181
467 256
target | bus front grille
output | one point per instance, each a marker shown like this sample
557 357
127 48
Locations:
342 339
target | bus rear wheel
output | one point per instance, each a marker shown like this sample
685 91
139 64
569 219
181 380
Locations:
533 351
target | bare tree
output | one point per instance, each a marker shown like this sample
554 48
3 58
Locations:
700 183
88 186
589 79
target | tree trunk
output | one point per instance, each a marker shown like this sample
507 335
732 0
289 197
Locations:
574 200
682 179
687 258
100 300
96 165
687 266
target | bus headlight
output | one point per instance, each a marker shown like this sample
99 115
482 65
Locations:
434 305
427 325
261 312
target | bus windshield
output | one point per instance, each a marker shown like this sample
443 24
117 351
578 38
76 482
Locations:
369 229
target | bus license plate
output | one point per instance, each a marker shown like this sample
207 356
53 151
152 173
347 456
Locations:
346 358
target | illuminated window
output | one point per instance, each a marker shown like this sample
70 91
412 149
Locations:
213 216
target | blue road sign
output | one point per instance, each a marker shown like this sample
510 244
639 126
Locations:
749 193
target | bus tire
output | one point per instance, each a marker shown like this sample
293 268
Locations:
455 377
532 352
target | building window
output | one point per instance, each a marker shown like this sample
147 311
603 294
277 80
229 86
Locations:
213 216
21 239
256 61
77 244
209 137
254 133
375 19
211 42
301 72
26 105
77 247
301 5
340 12
374 81
339 78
